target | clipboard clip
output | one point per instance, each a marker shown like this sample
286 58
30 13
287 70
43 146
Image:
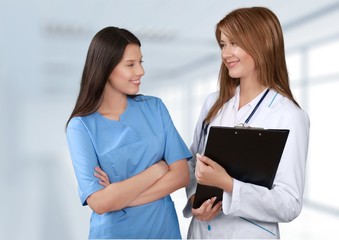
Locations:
242 125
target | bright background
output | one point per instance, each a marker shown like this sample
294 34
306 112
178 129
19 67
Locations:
43 45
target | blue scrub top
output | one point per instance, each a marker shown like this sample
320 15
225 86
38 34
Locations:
144 135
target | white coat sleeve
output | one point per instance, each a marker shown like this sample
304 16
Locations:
283 202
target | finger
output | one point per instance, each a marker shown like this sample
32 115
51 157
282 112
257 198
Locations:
206 207
101 174
198 170
203 206
105 184
213 213
100 177
199 156
210 206
216 209
206 161
197 165
100 171
209 212
201 210
200 159
102 180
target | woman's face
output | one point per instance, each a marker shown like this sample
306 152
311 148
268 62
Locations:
126 76
239 63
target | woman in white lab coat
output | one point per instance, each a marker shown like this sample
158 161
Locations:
254 91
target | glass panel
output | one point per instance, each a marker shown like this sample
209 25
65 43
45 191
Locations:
323 164
324 59
200 92
294 67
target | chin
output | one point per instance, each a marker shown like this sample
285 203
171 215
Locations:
133 92
233 75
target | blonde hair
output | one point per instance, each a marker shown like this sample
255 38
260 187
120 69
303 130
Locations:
258 32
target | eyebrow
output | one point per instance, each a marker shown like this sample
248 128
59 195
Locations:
133 60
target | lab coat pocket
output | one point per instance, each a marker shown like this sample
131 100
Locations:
259 229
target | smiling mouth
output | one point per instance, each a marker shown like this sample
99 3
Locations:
135 81
231 64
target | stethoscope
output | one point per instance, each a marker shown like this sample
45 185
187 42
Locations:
253 111
204 126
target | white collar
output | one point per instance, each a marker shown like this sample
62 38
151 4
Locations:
236 98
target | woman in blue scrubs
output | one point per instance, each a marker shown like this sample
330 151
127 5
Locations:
129 137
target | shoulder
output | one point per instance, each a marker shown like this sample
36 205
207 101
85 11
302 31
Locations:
207 105
147 101
75 122
152 107
211 99
289 111
81 122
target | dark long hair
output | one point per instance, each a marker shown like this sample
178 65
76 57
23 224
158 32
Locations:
258 32
104 53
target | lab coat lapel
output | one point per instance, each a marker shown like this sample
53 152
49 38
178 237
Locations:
226 115
265 109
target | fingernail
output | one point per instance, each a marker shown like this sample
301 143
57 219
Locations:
198 155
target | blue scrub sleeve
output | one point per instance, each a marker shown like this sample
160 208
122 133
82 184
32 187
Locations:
83 157
175 147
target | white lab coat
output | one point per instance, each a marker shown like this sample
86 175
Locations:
252 211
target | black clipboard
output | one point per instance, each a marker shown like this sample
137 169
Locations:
248 154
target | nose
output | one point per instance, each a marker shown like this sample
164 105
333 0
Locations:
226 52
140 70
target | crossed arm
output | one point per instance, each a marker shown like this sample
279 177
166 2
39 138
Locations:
155 182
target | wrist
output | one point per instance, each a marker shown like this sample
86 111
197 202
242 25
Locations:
227 184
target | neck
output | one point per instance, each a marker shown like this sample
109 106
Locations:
113 105
249 91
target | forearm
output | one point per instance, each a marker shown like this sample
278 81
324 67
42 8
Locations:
119 195
176 178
